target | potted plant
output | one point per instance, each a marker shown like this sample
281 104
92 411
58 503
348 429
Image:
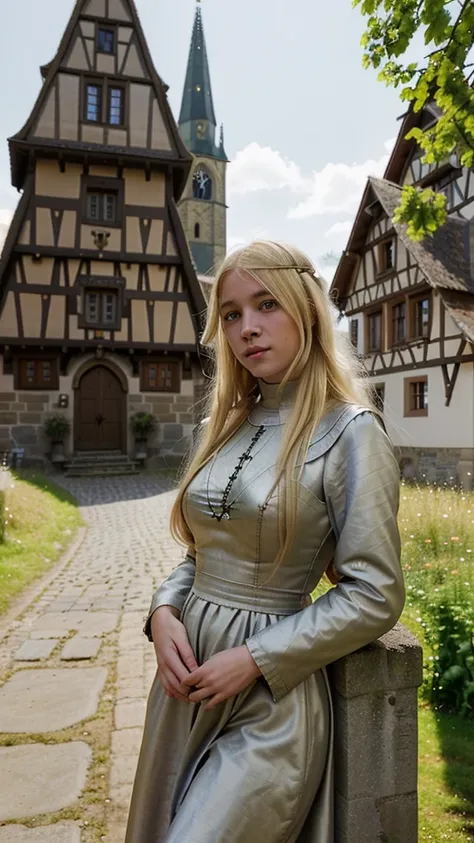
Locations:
57 428
142 426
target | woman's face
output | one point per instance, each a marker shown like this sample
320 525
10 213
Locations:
253 319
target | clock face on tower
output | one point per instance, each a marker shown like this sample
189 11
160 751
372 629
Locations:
202 184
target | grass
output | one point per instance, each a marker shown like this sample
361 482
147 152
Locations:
41 520
437 531
445 777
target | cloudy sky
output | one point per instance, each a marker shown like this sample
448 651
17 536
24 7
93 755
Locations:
304 123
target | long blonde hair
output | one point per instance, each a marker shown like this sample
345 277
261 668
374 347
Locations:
326 367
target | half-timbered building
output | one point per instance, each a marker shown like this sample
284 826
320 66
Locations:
100 305
410 308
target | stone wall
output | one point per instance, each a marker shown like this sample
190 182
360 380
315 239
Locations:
453 466
22 415
374 694
177 414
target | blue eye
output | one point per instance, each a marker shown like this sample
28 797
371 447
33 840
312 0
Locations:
262 306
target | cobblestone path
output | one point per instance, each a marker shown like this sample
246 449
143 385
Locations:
79 669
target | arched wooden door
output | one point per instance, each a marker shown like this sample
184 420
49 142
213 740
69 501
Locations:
100 411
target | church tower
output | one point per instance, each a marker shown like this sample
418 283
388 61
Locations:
203 203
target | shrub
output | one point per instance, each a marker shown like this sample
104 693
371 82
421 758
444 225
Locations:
436 525
57 428
143 424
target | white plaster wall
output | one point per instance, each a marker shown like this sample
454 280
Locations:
443 427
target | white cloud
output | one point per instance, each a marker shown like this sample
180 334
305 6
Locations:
337 188
257 168
339 228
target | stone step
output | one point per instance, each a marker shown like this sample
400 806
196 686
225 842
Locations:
100 470
100 456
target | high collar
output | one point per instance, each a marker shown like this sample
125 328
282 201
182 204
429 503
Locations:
274 405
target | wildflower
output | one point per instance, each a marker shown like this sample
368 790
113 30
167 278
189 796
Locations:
427 541
461 559
418 514
445 516
455 572
428 565
454 538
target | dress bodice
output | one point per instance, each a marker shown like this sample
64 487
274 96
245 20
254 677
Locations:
243 547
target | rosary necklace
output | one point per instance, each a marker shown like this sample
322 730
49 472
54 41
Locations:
246 457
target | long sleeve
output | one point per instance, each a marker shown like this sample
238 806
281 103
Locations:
174 590
361 481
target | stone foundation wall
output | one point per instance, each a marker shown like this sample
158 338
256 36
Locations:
22 415
177 414
453 466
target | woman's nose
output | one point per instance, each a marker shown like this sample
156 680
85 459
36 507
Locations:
250 327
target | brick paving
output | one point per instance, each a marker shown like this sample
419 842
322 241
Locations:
102 595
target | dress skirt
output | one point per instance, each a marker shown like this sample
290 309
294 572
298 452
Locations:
249 771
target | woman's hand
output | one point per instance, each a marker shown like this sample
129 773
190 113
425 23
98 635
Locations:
223 676
173 652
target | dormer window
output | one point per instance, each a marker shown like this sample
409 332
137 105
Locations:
106 41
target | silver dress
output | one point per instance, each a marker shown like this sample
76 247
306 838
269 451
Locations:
259 767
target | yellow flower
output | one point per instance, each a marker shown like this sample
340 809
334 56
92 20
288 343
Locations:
454 538
427 541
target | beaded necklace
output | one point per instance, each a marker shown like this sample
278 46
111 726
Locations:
224 506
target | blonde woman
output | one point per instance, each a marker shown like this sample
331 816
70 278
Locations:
293 476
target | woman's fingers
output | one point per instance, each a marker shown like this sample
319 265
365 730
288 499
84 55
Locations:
171 686
214 701
174 663
199 695
185 651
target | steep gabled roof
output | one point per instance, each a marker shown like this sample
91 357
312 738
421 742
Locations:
443 258
403 148
19 150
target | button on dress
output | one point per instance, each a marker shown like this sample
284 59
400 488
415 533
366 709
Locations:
259 767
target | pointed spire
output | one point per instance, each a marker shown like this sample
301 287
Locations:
197 101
